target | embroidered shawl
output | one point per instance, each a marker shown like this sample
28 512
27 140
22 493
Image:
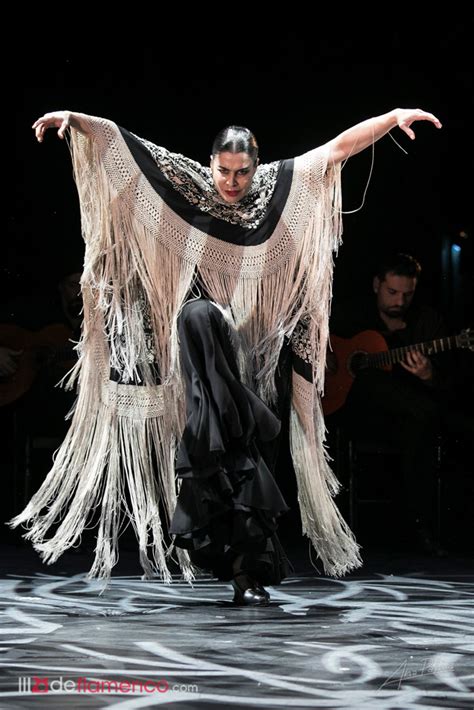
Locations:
154 229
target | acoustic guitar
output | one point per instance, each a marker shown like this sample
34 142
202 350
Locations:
49 347
370 349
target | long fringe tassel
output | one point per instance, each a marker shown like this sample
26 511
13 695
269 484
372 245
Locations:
115 464
322 522
125 266
267 306
106 467
107 455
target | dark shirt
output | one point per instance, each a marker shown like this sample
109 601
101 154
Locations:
423 324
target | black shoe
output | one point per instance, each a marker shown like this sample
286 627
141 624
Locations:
262 590
247 592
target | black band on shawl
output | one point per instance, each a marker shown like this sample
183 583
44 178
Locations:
206 223
303 368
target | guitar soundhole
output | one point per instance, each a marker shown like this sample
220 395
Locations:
357 362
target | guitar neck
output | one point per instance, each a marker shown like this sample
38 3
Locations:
390 357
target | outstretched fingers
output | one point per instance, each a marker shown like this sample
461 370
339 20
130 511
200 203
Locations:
416 115
49 120
38 127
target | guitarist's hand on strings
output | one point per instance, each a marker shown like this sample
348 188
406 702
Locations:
419 365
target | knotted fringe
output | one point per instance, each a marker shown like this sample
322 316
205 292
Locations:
268 297
116 463
105 473
322 522
117 460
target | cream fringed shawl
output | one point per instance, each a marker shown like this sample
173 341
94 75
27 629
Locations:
117 460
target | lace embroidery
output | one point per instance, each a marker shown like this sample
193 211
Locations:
194 182
144 306
303 207
300 342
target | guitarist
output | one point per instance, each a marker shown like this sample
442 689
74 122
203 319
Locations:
408 406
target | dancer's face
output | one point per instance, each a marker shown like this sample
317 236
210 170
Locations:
232 174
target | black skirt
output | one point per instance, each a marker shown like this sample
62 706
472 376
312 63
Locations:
229 502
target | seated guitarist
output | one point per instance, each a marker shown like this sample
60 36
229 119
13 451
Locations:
409 405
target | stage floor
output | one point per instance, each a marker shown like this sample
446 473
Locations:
399 633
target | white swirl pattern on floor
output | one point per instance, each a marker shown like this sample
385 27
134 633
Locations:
382 641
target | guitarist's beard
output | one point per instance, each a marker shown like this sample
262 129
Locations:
394 312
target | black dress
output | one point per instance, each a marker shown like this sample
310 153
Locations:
228 501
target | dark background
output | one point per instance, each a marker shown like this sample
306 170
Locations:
296 85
